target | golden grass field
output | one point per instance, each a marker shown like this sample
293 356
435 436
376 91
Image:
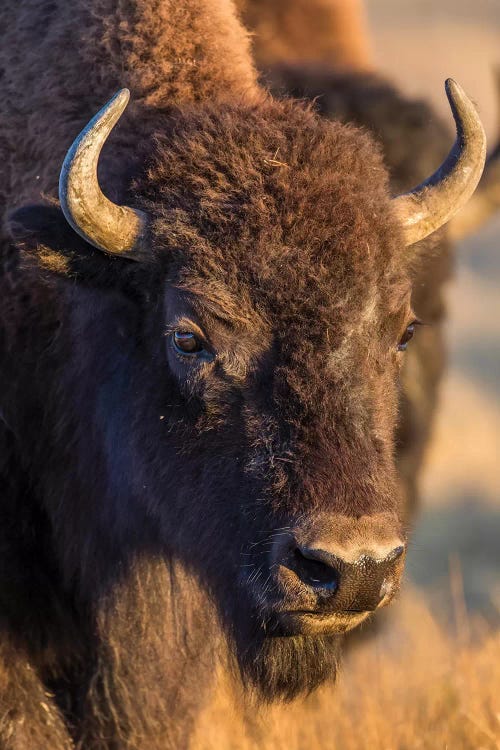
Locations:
420 685
431 680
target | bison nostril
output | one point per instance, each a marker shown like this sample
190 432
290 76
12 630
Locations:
314 572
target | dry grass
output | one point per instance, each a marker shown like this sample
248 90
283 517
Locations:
420 687
417 686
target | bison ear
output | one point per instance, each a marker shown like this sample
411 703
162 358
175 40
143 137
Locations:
42 232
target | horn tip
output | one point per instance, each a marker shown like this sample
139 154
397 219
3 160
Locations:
461 104
453 89
121 97
115 107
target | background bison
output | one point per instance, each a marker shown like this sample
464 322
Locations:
198 447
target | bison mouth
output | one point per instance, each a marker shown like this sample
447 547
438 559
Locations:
287 646
288 611
312 623
295 604
283 654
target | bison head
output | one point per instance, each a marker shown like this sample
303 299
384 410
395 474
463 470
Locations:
230 399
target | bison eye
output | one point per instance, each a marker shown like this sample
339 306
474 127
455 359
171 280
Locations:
187 342
408 334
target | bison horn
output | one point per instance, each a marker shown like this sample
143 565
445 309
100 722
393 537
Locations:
435 201
486 200
118 230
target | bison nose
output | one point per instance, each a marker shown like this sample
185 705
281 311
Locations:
355 580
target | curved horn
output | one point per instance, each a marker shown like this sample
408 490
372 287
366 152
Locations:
117 230
435 201
486 200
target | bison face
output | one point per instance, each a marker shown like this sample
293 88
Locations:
230 401
300 420
284 426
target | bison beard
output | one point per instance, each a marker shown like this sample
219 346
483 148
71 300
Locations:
285 667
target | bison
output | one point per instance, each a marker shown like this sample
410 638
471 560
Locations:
202 331
320 50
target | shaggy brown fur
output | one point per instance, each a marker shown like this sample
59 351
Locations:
414 143
83 52
140 493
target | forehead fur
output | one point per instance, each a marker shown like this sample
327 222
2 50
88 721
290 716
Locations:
278 205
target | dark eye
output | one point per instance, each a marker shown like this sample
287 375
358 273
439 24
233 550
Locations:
187 342
408 334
